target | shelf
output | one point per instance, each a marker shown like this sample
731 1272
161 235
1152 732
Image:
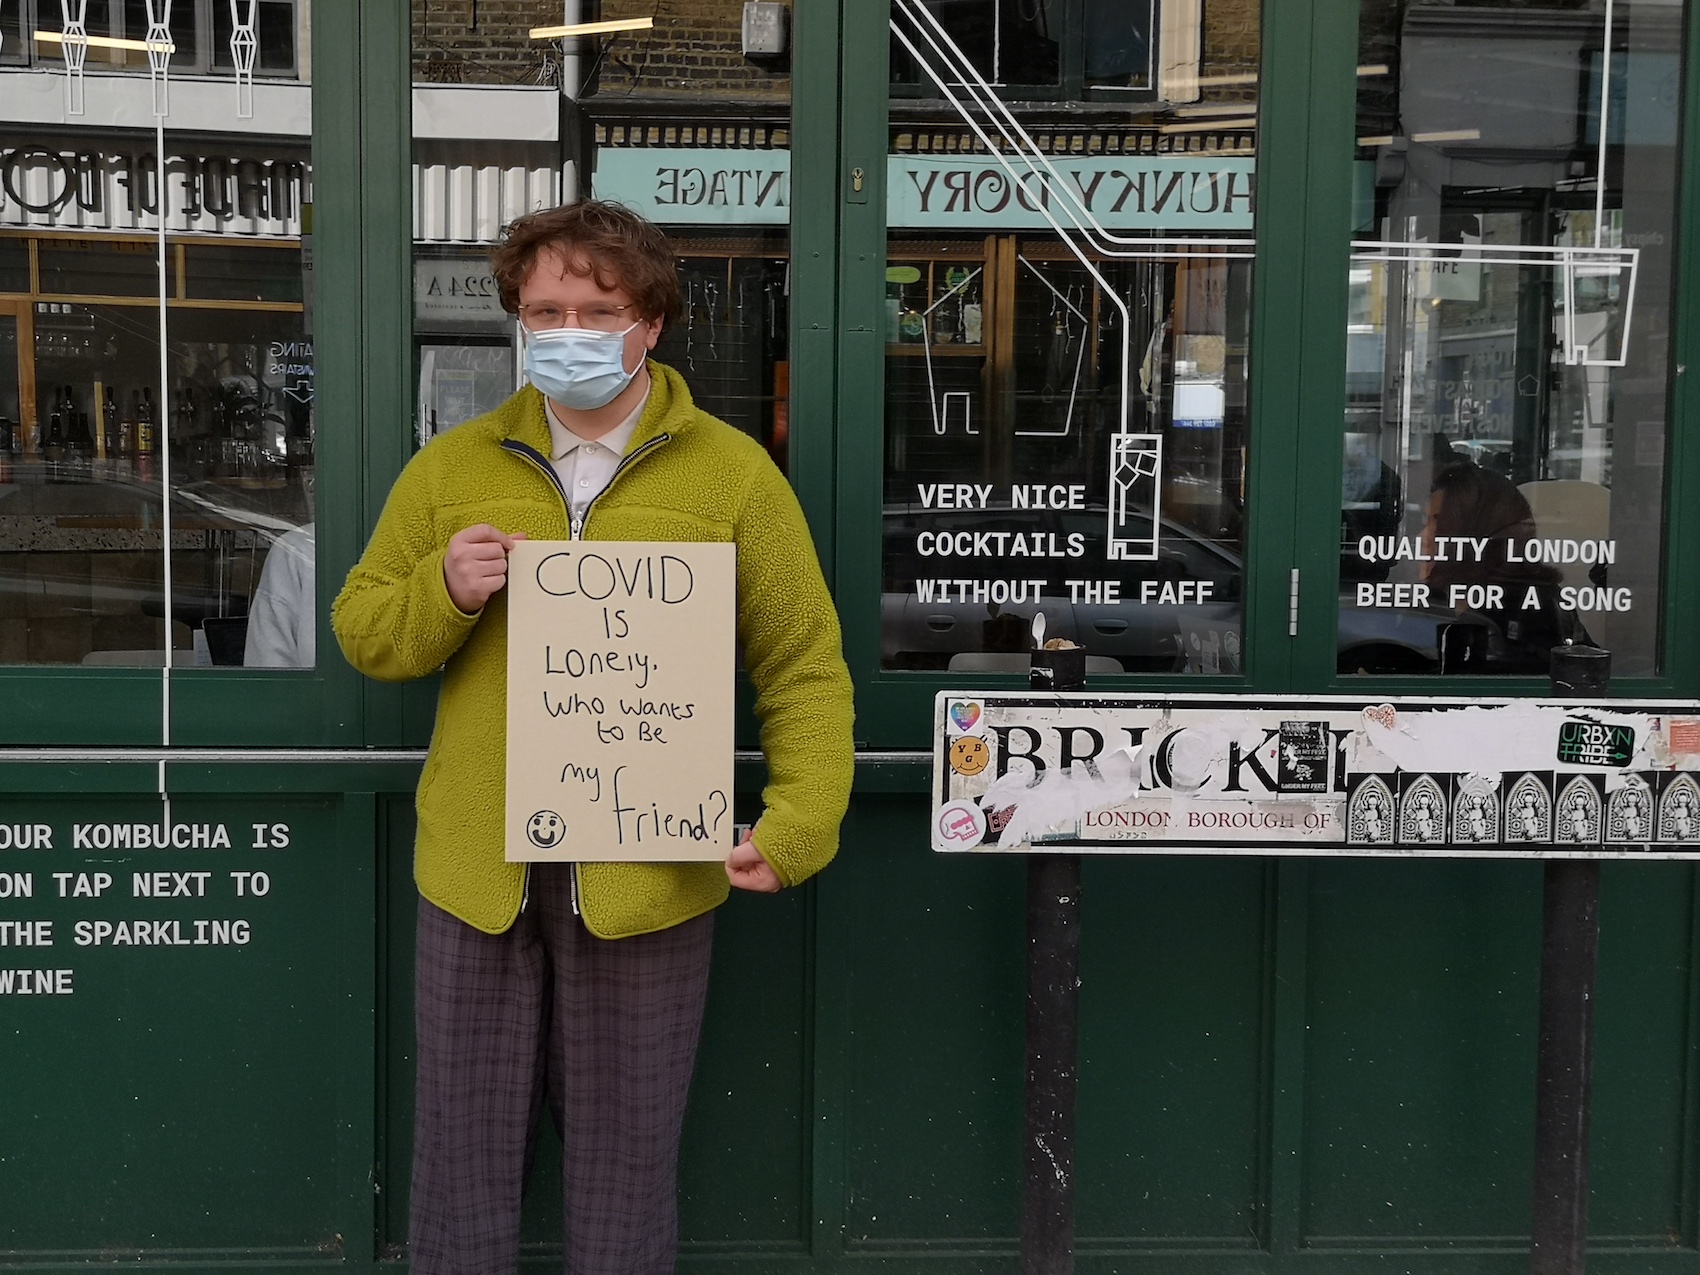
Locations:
950 350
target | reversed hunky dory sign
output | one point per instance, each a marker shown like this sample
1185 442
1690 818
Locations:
1316 775
620 700
1121 192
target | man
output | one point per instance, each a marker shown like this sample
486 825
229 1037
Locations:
284 613
580 982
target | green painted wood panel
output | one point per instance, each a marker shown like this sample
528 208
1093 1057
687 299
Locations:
934 1030
1421 1025
180 1094
1173 967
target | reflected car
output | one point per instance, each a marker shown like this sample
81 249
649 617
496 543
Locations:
1140 637
918 633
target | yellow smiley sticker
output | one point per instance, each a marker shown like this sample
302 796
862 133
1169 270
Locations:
969 755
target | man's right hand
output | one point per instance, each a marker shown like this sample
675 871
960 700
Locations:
476 565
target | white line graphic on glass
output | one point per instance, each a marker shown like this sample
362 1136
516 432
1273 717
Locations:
1136 484
74 49
963 402
244 44
160 49
941 409
1060 299
1088 241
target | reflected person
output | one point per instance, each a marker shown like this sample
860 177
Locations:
1466 500
284 613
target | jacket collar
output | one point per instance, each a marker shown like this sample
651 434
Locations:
670 410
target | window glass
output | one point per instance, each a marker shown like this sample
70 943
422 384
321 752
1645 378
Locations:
1119 41
183 28
1006 42
156 389
274 36
201 34
1508 342
83 267
14 266
1068 290
670 116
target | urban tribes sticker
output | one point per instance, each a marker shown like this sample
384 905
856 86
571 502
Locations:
1585 743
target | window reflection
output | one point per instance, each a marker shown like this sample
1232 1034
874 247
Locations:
105 437
1067 302
1508 333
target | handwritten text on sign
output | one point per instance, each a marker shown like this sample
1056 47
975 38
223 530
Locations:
620 676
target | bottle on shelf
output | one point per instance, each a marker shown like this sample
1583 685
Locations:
111 431
127 430
147 436
79 441
53 441
973 315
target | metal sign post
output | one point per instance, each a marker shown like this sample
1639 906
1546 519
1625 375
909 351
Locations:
1053 1018
1564 1071
1053 1022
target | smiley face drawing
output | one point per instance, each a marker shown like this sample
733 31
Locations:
545 829
969 755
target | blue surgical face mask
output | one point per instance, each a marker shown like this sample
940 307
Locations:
577 367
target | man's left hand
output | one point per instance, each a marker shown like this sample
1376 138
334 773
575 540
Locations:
747 870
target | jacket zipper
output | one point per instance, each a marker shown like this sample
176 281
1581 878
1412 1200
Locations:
575 531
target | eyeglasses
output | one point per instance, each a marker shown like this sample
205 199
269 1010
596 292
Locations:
542 316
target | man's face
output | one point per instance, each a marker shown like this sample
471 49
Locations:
552 283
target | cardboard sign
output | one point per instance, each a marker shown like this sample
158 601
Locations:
621 659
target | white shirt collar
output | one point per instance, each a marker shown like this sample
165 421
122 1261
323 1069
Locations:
563 442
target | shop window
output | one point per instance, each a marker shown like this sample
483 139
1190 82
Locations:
201 33
274 35
156 378
14 265
1035 48
672 119
1068 295
1507 350
97 267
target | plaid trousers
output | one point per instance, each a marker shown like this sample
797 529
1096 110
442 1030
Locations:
606 1030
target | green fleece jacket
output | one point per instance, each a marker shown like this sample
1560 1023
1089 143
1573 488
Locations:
686 477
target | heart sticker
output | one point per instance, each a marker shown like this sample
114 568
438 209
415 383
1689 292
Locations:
964 714
1382 715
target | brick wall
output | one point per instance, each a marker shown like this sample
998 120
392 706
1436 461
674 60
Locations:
692 51
1232 46
450 47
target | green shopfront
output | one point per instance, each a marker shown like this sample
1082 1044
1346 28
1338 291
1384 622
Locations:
1159 317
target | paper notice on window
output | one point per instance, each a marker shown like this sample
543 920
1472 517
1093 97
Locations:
621 660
